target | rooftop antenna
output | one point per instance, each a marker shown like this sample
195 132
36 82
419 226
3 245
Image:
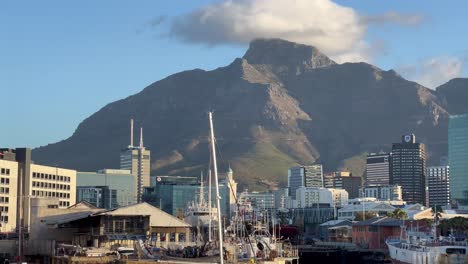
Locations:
141 137
131 132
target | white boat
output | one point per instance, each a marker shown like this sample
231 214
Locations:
427 252
426 248
126 251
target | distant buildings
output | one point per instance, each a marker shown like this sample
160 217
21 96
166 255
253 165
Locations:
438 178
383 192
408 169
258 200
304 176
118 182
313 196
343 180
21 179
173 193
458 158
137 159
377 169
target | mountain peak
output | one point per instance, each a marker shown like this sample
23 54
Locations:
281 52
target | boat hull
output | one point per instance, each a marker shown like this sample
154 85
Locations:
429 255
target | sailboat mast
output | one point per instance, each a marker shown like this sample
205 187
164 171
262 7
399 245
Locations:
218 197
209 204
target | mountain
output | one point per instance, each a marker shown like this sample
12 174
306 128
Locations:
279 105
454 95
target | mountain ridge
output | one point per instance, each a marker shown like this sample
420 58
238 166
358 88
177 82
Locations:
281 104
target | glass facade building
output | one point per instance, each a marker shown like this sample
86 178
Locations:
122 182
174 193
458 158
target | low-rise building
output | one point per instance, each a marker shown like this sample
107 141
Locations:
364 205
383 192
85 225
372 233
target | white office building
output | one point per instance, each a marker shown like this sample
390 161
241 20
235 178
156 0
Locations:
384 192
312 196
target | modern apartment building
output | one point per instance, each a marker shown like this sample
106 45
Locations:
438 178
137 159
377 169
408 169
304 176
458 157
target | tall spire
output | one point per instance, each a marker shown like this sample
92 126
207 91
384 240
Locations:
141 137
131 132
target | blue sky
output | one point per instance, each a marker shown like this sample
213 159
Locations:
62 61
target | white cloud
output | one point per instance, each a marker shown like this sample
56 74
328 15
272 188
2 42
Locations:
334 29
432 72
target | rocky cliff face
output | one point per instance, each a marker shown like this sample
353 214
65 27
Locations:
281 104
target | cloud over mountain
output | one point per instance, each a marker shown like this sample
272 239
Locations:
337 30
434 71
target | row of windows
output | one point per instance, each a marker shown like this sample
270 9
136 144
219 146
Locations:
4 199
3 208
4 190
4 171
64 203
4 219
50 185
4 181
50 194
54 177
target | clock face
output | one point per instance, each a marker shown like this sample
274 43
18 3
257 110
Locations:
407 138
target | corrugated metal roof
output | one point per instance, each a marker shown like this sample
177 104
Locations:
158 218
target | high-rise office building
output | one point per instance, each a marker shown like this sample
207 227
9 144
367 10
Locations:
438 179
408 169
458 158
377 169
304 176
137 159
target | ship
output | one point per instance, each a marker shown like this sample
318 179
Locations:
415 247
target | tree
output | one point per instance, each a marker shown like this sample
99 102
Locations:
398 214
368 215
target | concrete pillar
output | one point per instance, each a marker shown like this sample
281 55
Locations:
187 235
176 237
168 238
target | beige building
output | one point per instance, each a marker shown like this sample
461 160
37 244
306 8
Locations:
49 182
21 180
8 198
